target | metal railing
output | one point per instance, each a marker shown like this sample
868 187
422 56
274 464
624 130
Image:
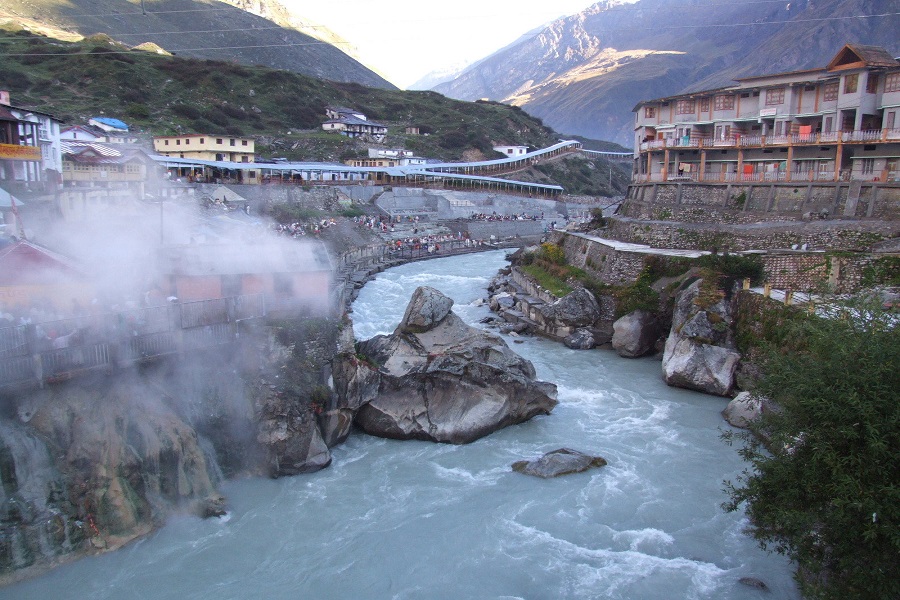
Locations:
739 140
37 353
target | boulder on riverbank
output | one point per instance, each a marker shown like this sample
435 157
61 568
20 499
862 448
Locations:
744 408
635 334
558 462
699 352
444 381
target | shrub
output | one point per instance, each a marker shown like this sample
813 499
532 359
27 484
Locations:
552 253
821 487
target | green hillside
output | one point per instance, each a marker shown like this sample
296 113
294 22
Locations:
160 94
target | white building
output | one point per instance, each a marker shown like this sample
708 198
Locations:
511 150
30 154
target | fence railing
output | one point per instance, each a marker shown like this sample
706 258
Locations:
37 353
739 140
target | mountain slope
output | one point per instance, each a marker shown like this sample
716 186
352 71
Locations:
583 74
245 31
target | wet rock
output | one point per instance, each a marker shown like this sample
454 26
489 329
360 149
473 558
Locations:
576 309
212 506
581 339
635 334
754 583
745 407
448 382
558 462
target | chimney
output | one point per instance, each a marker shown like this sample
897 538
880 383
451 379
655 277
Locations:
4 97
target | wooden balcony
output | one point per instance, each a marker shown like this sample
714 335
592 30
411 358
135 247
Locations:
770 141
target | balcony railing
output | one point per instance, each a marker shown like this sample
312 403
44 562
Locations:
769 176
754 141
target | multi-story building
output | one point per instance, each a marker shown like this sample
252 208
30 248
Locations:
201 146
835 123
30 154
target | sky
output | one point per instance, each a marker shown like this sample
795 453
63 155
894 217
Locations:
403 40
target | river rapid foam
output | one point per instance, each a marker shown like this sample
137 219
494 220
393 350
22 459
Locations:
410 520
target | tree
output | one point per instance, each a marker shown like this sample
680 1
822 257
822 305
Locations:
823 483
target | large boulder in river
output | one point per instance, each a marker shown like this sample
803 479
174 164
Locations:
699 352
635 334
445 381
559 462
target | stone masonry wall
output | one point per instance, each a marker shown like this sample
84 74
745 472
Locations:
771 201
830 235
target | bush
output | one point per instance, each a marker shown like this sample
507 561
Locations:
553 253
821 487
186 110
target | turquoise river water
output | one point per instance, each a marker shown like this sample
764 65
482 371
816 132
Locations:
410 520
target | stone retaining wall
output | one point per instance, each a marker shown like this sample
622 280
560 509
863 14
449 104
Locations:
771 201
842 272
831 235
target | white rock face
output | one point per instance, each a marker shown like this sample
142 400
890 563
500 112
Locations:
699 352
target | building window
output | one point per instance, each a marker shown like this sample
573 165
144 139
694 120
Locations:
774 96
187 142
851 82
202 141
872 83
232 142
243 142
685 107
830 91
868 166
724 103
829 124
704 105
892 82
218 140
177 142
166 142
649 112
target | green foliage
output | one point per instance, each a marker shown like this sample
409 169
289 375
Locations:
184 95
822 482
734 266
553 253
638 295
548 280
882 271
293 213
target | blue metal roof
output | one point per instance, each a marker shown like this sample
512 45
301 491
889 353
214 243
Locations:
111 122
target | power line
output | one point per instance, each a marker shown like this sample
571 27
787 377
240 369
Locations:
287 45
146 33
170 51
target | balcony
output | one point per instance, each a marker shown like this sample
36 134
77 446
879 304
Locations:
763 141
767 177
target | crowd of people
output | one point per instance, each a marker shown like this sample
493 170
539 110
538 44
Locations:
513 217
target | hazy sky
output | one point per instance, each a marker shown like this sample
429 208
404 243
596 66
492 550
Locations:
404 39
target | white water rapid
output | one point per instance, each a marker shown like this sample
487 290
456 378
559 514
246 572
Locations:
417 520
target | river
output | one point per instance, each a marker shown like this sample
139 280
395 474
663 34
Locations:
410 520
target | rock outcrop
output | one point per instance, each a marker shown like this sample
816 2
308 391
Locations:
558 462
635 334
699 352
744 408
442 380
578 308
